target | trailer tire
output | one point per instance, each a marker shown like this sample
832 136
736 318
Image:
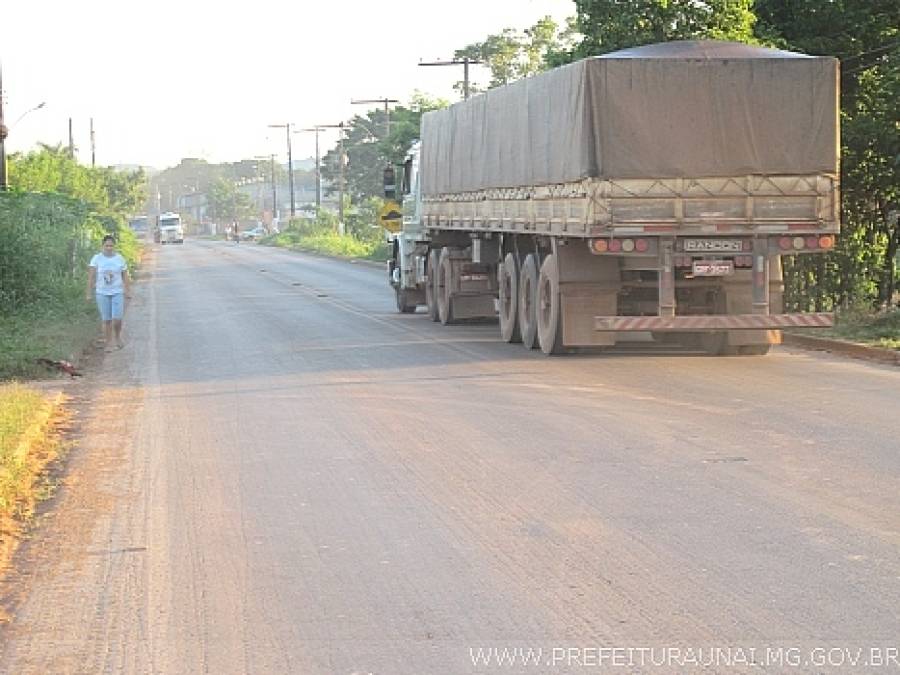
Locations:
508 280
431 284
549 312
528 285
444 287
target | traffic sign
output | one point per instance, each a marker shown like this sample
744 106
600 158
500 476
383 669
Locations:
391 216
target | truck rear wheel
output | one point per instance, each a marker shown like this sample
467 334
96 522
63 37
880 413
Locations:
403 305
431 284
444 287
549 313
509 299
528 284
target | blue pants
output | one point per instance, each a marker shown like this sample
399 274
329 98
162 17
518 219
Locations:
111 306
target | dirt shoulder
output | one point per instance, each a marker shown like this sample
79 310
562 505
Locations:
84 486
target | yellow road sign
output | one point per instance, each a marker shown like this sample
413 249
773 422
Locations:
391 216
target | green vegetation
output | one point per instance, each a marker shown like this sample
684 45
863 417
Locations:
226 202
361 239
51 223
879 329
27 444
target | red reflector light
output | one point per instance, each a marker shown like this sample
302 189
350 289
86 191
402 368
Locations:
826 241
641 245
615 246
785 244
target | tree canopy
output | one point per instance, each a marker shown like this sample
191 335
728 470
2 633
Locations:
368 148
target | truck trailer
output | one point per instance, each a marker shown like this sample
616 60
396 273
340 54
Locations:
651 190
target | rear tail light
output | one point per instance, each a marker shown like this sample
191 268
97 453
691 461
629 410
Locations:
812 242
826 241
784 243
600 245
641 245
615 246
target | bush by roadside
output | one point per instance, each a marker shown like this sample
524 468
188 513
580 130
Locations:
46 241
362 240
877 329
28 443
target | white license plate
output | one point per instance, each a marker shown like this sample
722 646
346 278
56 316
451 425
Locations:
713 268
713 245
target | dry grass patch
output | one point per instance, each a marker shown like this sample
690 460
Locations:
29 441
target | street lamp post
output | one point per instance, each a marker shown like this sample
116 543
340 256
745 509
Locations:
287 128
316 129
4 133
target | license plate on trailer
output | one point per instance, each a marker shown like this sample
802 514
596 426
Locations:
713 245
713 268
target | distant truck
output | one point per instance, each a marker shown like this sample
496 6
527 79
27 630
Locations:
169 229
139 224
650 190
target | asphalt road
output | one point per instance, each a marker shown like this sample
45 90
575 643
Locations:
280 474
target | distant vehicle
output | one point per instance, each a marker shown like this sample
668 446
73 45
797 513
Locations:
139 224
169 229
254 234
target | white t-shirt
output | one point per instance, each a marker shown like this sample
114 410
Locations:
109 273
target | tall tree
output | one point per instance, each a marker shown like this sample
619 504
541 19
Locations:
609 25
226 202
865 35
512 54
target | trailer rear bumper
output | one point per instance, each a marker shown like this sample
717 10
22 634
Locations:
713 322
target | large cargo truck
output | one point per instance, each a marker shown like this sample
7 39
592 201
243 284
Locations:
650 190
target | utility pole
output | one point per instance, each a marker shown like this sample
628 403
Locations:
4 133
464 62
4 177
274 189
317 128
387 109
287 128
71 141
341 182
93 146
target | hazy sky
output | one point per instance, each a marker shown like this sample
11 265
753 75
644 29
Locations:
203 78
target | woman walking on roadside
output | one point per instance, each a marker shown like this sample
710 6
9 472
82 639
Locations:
108 280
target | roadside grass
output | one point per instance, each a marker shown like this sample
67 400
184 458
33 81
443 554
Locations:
330 243
57 328
28 443
878 329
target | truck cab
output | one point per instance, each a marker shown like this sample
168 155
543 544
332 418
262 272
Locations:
409 246
169 229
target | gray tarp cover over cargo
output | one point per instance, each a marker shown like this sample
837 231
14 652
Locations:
679 109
